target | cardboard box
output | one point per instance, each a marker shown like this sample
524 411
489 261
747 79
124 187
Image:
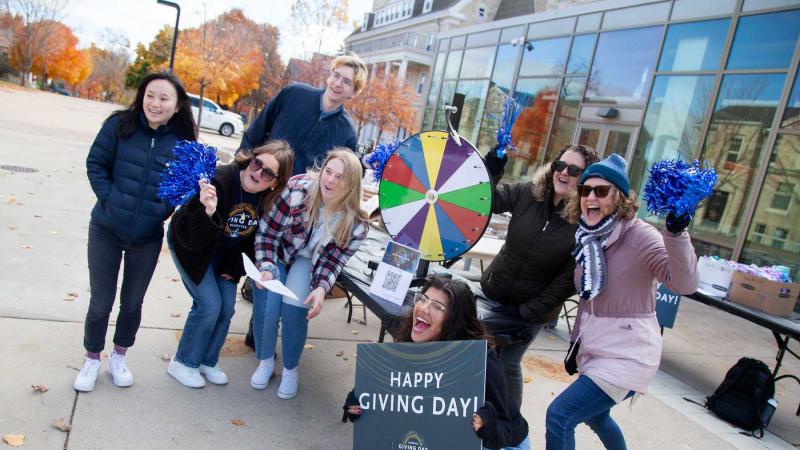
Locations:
766 295
715 276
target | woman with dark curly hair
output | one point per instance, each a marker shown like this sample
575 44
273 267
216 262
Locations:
531 276
616 337
445 310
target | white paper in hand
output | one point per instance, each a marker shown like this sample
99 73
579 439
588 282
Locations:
273 285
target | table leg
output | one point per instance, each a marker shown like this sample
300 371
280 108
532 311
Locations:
382 334
783 347
349 305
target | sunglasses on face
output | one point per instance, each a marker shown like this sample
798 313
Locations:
599 191
572 169
422 300
266 173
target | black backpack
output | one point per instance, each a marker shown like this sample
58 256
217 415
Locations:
745 397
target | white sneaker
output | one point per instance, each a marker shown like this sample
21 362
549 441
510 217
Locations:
187 376
263 373
288 387
214 375
87 377
120 375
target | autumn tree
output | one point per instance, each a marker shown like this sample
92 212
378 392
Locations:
150 58
37 34
271 79
107 79
313 72
314 20
73 66
388 103
9 27
219 59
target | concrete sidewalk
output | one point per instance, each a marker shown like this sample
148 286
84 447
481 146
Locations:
44 295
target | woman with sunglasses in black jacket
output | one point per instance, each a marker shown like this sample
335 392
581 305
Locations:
207 237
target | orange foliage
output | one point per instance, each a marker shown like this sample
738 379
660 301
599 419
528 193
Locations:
386 101
221 57
529 132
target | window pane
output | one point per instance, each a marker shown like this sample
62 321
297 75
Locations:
588 22
477 63
481 39
754 49
546 57
744 110
672 124
457 42
555 27
636 15
775 241
752 5
474 99
512 33
621 72
694 46
531 128
445 98
581 54
444 44
434 92
791 116
453 64
566 115
499 89
691 9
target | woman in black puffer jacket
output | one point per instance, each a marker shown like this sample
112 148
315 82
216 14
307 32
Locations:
531 276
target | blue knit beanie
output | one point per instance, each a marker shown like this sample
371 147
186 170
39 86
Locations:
611 169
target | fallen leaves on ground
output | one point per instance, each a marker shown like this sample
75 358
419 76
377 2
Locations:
27 246
174 280
71 296
237 422
354 331
175 315
11 200
12 227
62 425
309 346
340 353
546 367
39 388
14 440
527 379
234 346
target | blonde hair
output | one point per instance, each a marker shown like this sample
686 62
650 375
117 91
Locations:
625 207
359 68
349 204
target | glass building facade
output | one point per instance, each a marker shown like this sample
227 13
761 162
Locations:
714 80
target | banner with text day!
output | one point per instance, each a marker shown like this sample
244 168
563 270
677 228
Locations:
419 396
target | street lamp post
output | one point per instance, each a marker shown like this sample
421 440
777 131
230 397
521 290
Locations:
175 32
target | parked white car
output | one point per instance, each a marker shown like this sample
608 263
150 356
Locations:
216 118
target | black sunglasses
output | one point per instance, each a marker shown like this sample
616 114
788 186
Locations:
266 173
572 169
599 191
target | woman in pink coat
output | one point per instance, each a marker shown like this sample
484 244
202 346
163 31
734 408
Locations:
620 259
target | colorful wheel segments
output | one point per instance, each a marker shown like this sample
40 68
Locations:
436 195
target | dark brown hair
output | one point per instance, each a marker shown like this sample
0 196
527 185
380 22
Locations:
589 157
461 316
281 150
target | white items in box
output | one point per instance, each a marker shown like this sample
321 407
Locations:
715 276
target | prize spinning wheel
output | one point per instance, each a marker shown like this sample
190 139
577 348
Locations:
435 195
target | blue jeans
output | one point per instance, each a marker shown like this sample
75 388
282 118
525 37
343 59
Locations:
582 402
524 445
105 254
271 310
207 324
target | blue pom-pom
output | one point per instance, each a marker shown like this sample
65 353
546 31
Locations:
377 159
511 110
193 161
678 187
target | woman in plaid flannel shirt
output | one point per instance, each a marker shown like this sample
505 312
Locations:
305 240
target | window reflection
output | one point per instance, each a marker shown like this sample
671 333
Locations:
531 128
773 237
499 88
430 107
744 112
477 63
581 54
453 64
566 115
755 48
445 98
621 71
544 57
474 99
791 117
694 46
672 124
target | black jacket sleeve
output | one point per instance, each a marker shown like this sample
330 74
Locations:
506 195
100 162
552 296
259 130
497 431
194 229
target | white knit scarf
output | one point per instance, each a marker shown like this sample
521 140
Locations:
589 252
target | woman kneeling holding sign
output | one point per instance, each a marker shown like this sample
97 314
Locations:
445 311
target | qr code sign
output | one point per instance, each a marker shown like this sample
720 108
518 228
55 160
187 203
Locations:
392 280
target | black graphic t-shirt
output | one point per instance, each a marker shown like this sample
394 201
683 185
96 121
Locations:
242 219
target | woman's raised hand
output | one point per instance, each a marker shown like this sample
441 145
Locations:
315 298
208 196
